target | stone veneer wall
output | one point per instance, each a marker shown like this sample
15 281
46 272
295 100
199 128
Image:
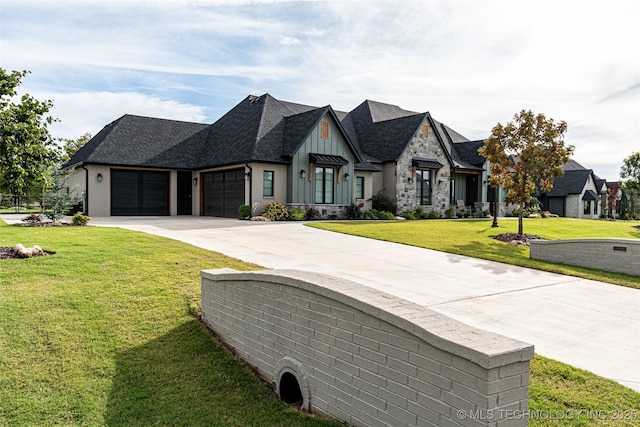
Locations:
618 255
365 357
406 191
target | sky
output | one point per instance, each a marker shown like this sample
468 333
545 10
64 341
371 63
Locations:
470 63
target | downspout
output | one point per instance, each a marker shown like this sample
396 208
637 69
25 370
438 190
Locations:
250 188
86 190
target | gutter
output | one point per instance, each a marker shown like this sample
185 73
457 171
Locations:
250 175
86 190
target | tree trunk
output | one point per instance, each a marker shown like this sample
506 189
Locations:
520 213
495 209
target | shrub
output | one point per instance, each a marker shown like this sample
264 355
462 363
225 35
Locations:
80 219
76 206
409 215
449 212
297 214
275 211
244 211
353 211
386 215
380 202
419 212
312 213
433 215
371 214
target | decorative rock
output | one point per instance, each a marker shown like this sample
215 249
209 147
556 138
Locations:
28 252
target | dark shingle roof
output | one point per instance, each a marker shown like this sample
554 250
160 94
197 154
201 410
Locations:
135 141
262 128
572 182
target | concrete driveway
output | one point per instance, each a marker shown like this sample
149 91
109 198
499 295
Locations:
587 324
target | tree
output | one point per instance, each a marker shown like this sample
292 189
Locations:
71 146
630 172
27 150
58 199
528 150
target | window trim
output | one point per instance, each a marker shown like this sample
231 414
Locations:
420 196
362 180
264 181
320 170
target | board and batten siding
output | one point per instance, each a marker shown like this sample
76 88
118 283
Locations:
301 190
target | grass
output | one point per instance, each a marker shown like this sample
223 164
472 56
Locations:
105 332
472 239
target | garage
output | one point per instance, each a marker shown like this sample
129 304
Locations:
139 193
223 193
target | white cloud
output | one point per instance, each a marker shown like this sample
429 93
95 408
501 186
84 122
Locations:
471 64
83 112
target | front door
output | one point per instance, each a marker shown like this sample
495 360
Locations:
184 193
471 195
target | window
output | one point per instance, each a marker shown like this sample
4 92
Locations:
324 183
452 192
324 129
587 207
359 187
423 187
267 184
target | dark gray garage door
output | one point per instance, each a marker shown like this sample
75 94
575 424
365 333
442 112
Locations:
555 205
139 192
222 193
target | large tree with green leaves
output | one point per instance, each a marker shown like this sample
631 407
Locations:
71 146
630 173
27 151
528 150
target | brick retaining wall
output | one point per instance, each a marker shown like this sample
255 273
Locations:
363 356
618 255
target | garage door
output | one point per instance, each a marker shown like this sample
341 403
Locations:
222 193
139 192
556 205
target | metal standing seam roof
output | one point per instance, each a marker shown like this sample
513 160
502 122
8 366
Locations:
426 163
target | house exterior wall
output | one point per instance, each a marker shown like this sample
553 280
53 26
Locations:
99 192
368 188
405 189
280 179
301 190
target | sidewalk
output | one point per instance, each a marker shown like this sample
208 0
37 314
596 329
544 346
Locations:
587 324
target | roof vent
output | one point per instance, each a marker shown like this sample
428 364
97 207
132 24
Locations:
253 99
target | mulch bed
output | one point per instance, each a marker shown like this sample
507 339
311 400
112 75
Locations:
7 252
515 239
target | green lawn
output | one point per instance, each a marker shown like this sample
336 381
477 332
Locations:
105 332
471 238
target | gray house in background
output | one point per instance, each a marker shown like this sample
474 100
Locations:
577 194
265 149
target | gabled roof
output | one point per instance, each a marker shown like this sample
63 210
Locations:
468 153
263 128
259 128
134 141
572 182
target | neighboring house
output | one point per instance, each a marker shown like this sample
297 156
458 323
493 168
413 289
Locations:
576 194
266 150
